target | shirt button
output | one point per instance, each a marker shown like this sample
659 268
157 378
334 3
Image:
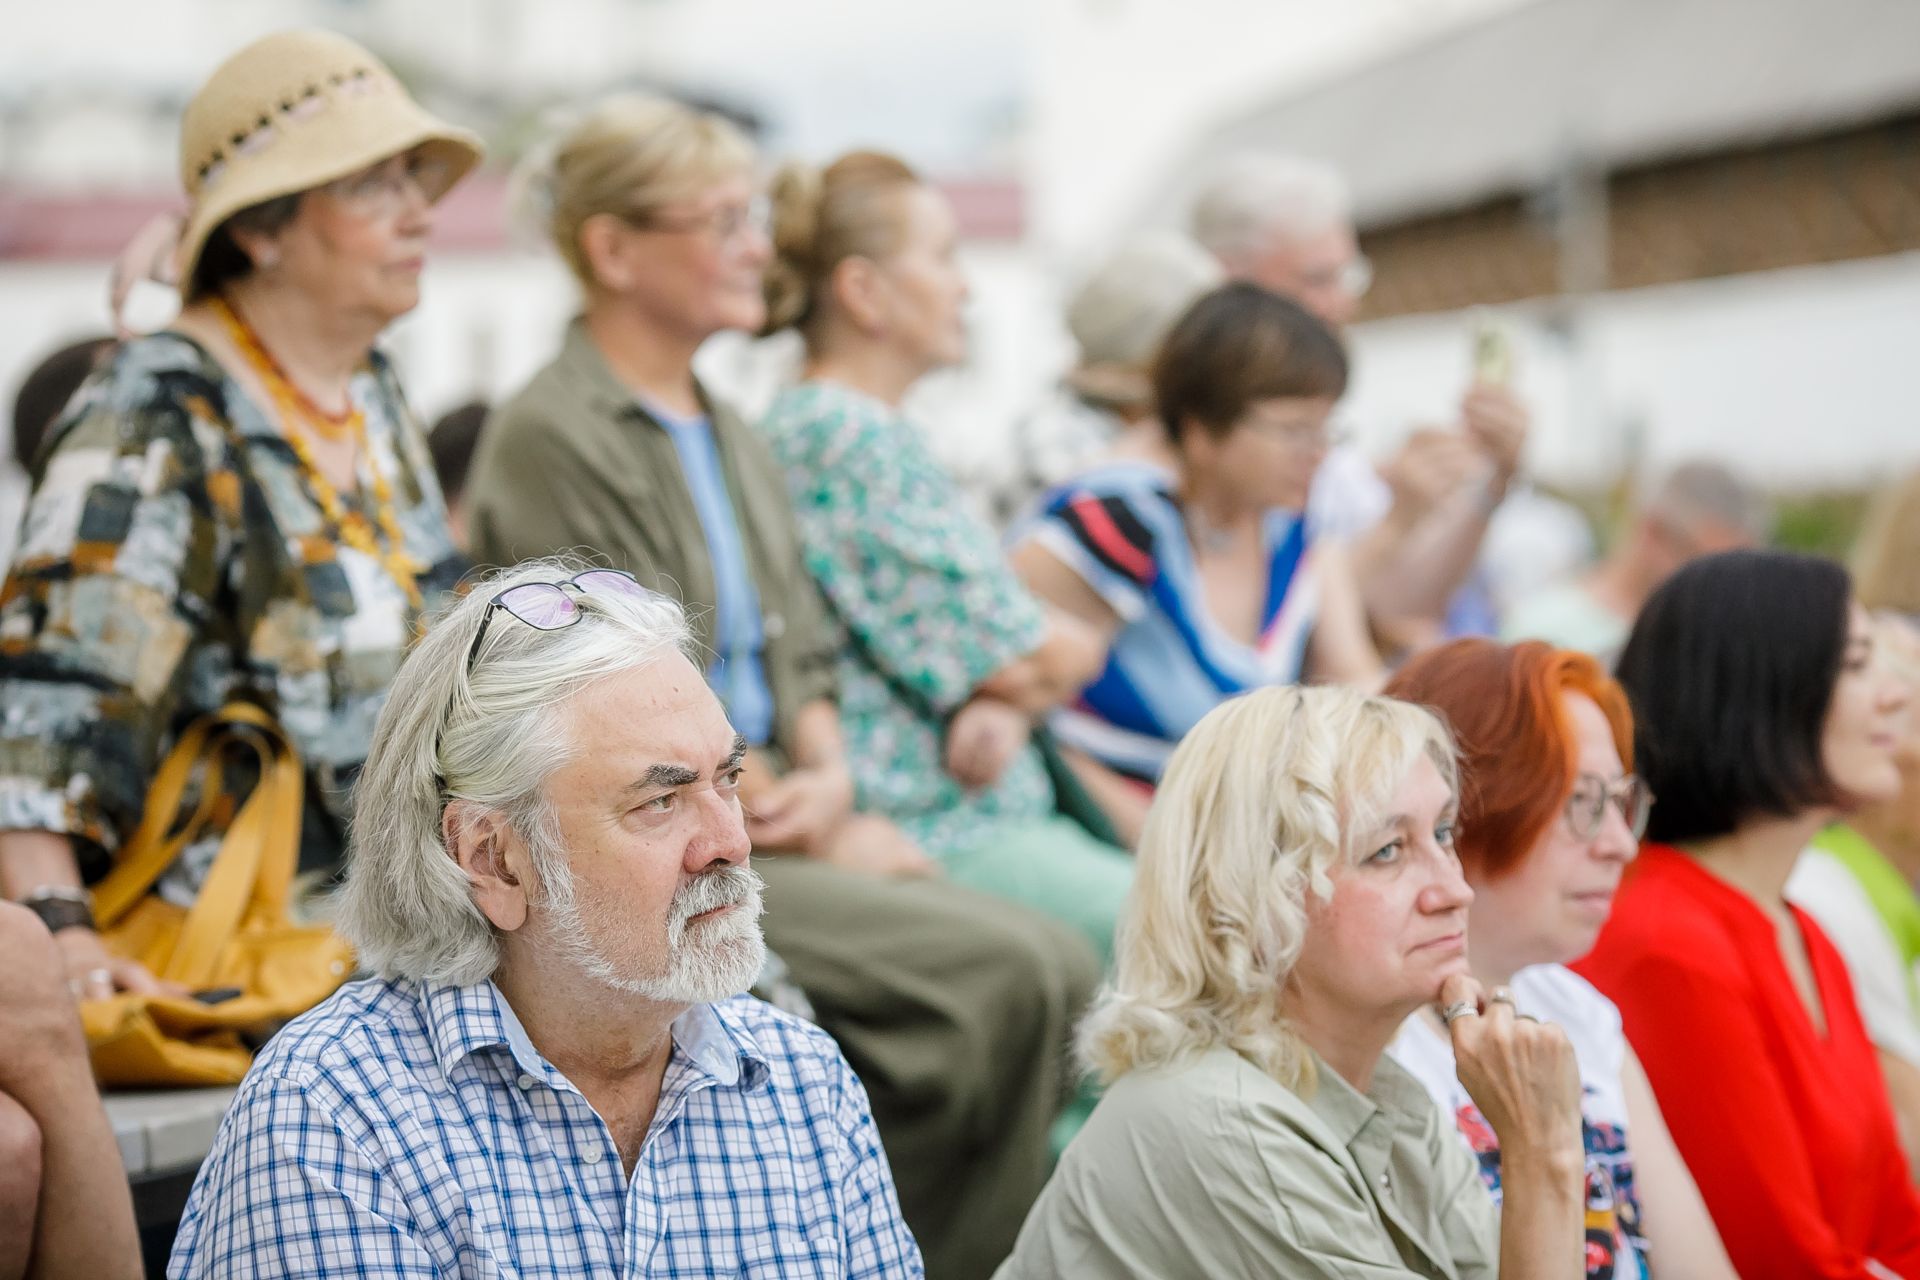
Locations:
526 1081
593 1155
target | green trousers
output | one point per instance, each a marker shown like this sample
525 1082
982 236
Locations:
1053 866
955 1009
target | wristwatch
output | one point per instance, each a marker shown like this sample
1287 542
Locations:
60 906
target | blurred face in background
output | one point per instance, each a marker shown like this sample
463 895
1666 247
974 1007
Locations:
1894 826
920 301
356 245
1671 541
692 266
1269 456
1548 907
1866 725
1325 273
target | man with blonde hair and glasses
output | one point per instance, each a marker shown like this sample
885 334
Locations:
555 1072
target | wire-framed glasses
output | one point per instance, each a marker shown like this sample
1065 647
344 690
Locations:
1587 805
549 606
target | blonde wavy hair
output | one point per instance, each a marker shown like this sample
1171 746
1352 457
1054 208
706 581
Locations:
1260 802
628 156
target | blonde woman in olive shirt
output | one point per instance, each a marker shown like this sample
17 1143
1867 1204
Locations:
1297 898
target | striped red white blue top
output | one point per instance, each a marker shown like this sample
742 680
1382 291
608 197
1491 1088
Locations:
1121 530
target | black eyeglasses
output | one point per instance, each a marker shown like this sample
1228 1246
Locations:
549 606
1587 806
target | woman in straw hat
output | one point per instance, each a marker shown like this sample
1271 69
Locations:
241 505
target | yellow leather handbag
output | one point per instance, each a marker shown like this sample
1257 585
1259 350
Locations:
249 966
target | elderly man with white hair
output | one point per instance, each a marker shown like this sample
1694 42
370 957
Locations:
556 1073
1286 223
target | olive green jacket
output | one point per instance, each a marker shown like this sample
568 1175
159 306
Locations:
574 463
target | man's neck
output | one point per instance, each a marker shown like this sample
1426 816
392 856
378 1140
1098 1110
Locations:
318 349
613 1048
645 357
1758 858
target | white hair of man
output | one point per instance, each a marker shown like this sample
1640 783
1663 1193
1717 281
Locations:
1260 803
1254 201
492 737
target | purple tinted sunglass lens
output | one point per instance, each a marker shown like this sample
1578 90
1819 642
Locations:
609 582
540 604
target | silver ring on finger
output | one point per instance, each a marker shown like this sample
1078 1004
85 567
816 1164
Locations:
1458 1009
1526 1017
100 978
1501 995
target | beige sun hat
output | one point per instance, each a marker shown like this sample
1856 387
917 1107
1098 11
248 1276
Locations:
292 111
1119 316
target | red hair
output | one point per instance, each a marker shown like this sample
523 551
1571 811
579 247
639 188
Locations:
1517 756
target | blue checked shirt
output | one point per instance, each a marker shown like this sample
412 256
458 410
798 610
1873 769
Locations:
410 1129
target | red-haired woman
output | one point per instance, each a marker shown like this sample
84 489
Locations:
1550 816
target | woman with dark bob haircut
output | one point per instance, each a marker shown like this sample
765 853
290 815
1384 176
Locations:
1203 579
1760 713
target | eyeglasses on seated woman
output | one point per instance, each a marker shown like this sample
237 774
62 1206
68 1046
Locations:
1549 822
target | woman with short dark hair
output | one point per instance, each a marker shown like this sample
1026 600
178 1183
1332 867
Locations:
1761 712
1205 580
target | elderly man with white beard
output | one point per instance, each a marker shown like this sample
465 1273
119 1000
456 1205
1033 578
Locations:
555 1073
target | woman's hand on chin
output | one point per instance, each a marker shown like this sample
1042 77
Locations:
1519 1071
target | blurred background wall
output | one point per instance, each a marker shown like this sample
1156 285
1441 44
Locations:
1699 218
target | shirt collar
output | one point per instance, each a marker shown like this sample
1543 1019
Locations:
713 1040
1347 1112
587 369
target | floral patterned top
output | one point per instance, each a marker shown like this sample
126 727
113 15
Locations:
927 598
173 557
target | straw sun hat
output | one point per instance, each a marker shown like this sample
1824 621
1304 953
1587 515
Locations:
292 111
1120 314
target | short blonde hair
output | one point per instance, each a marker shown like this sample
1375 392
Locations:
1260 802
629 156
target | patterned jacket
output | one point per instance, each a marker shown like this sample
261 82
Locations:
173 557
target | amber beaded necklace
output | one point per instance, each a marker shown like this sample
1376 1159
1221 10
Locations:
299 413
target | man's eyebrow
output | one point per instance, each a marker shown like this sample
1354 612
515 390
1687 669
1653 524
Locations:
664 775
737 755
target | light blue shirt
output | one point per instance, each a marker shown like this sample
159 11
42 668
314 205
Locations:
412 1130
738 676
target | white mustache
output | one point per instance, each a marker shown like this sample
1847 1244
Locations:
730 886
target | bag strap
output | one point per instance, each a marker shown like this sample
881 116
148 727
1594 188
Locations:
149 851
258 852
251 872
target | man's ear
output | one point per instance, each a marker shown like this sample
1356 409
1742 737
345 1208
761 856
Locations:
495 859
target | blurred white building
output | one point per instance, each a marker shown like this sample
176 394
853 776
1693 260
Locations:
1059 125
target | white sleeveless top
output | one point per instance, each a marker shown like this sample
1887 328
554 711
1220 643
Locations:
1554 993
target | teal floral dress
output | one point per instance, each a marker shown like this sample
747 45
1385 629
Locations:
926 599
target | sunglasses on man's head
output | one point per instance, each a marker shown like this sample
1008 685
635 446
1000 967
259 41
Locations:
549 606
